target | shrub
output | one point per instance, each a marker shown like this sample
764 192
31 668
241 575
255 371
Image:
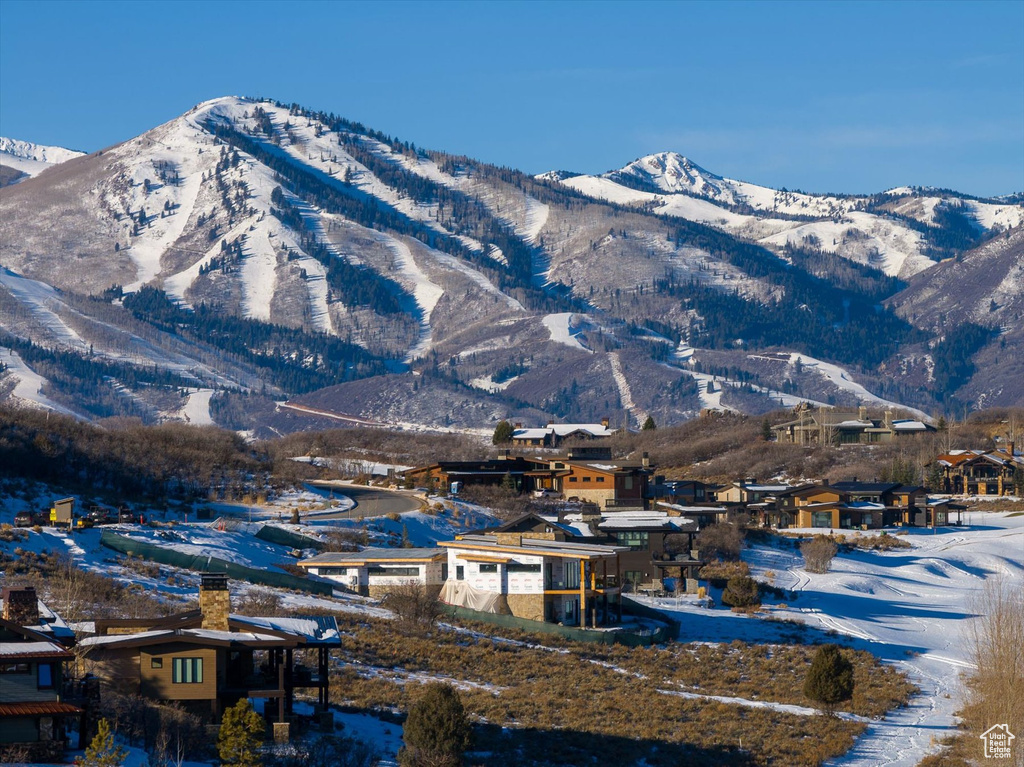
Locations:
416 608
741 592
722 540
720 572
437 731
240 737
818 554
102 751
830 678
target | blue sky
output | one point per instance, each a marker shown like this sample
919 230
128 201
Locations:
828 96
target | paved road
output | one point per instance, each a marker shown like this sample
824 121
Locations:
370 501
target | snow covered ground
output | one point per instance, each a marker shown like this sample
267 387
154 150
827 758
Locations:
909 607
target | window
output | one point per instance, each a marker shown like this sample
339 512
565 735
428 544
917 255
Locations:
460 573
45 676
487 568
444 571
519 567
187 671
821 519
586 479
156 663
634 577
572 479
572 573
332 570
600 479
628 485
377 570
14 668
636 541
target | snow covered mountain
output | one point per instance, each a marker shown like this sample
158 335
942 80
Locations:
29 159
901 231
267 252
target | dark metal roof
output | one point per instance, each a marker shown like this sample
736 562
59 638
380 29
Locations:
41 708
864 487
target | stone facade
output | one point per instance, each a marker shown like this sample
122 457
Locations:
529 606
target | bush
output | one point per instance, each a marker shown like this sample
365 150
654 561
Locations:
437 731
240 737
719 573
741 592
818 554
830 678
722 540
416 608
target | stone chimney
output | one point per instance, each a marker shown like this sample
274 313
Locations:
645 460
862 413
21 605
605 422
214 601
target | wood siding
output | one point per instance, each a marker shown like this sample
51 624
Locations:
24 688
158 682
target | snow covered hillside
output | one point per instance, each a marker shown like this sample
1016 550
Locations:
252 247
32 159
910 607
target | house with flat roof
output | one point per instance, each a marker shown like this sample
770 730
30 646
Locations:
829 426
375 571
534 578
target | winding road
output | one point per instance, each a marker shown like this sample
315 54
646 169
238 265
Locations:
369 501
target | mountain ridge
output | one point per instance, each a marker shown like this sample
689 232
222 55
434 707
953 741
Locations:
271 242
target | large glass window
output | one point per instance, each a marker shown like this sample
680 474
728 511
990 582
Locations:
488 568
187 671
821 519
518 567
635 540
405 571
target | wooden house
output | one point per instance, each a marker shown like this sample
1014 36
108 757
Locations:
856 505
35 690
977 472
208 659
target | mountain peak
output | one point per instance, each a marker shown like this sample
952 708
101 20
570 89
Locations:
30 158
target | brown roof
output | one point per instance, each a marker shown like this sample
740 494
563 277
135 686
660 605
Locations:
43 708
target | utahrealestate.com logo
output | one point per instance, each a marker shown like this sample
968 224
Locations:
998 741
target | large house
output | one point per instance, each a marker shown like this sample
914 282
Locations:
536 578
208 659
557 434
826 426
977 472
853 505
34 685
604 482
375 571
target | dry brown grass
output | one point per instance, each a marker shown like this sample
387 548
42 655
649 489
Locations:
609 696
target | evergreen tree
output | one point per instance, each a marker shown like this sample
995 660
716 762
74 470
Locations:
102 751
508 482
649 424
241 733
766 430
830 678
437 731
502 433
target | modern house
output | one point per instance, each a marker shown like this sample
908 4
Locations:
375 571
208 659
534 578
977 472
34 694
852 504
826 426
607 483
489 471
682 491
746 492
557 434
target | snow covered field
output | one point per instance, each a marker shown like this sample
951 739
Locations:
909 607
